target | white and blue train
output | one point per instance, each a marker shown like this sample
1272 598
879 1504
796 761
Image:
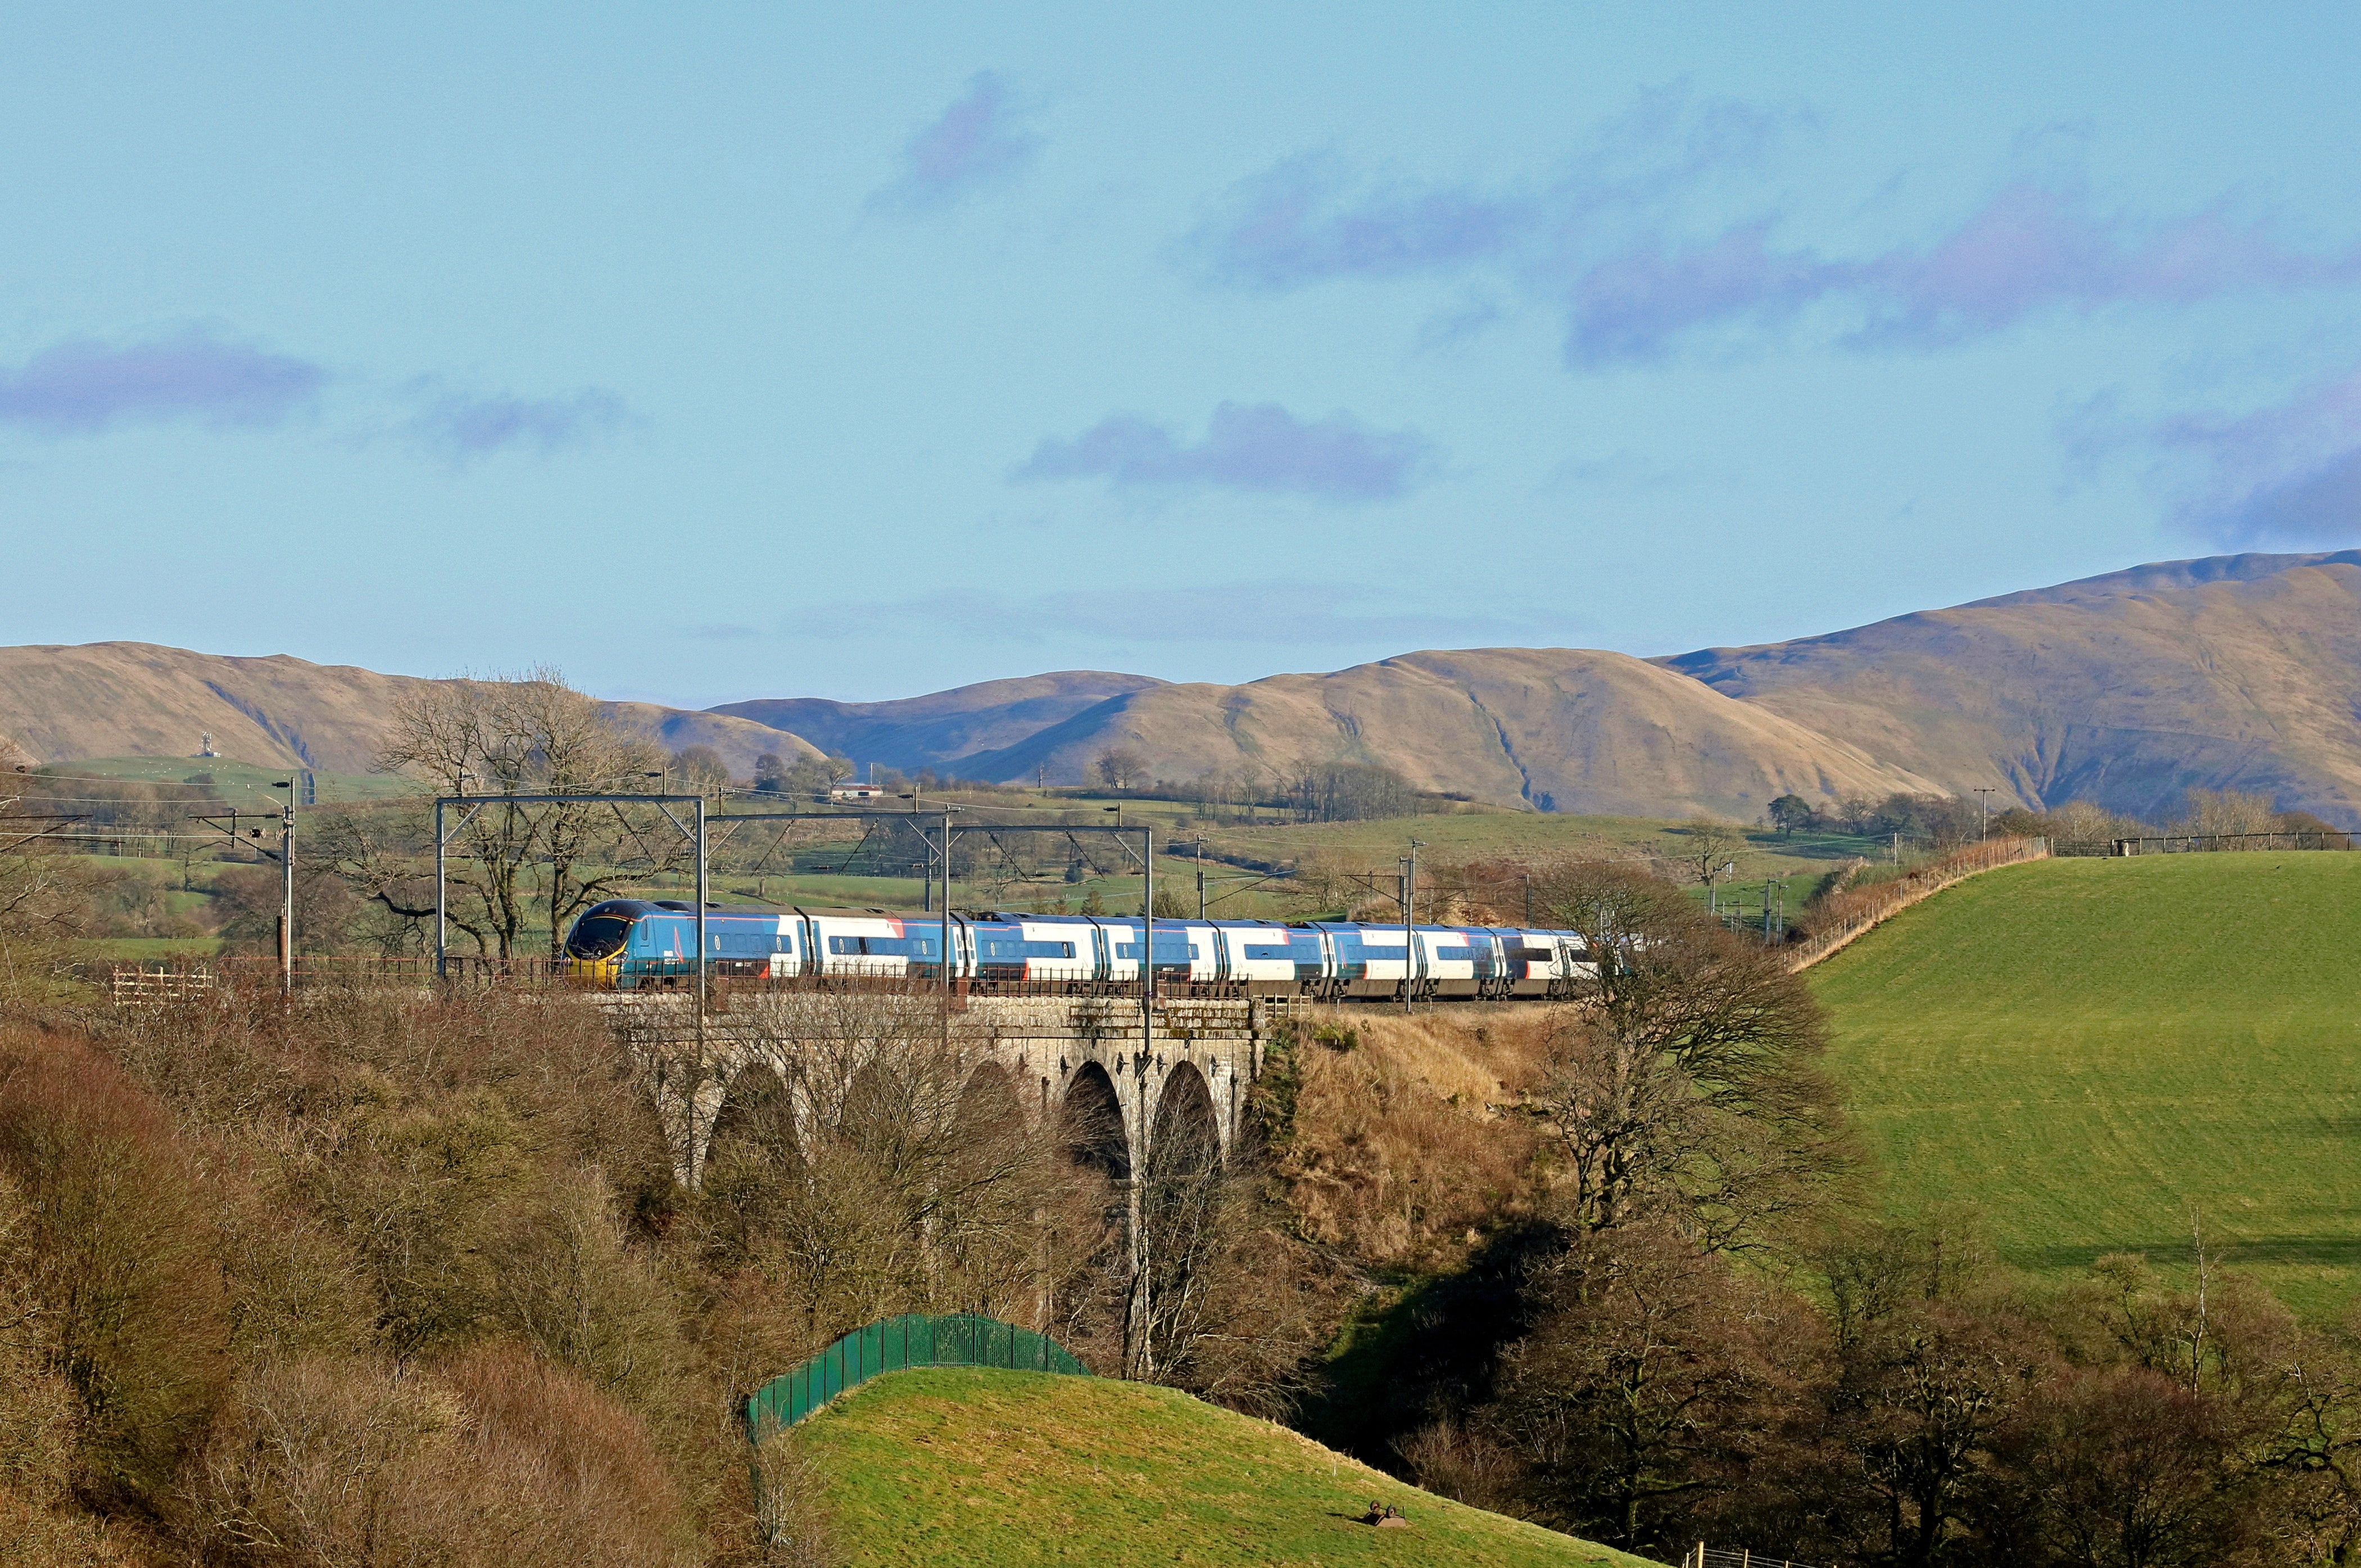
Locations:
629 943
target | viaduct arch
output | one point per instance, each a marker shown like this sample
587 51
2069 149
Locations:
1053 1057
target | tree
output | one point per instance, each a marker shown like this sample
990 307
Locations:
45 896
1790 812
2124 1469
1651 1381
770 773
2227 811
1690 1089
1118 766
699 768
1923 1399
887 1169
1708 845
515 735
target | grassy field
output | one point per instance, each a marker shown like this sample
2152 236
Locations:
2096 1055
243 784
1475 836
967 1468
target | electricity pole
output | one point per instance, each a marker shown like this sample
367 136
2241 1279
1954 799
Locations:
1985 793
1410 916
287 888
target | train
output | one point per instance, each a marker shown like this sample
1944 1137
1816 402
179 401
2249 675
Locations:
629 943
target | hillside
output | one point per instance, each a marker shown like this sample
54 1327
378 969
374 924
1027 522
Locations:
1555 728
118 699
2092 1054
965 1468
942 729
2239 671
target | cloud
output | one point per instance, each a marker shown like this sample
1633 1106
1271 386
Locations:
2029 248
463 427
1261 447
980 140
1293 224
1308 220
1281 614
2288 475
81 386
1613 239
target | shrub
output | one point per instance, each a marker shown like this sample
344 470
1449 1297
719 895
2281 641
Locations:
494 1459
120 1227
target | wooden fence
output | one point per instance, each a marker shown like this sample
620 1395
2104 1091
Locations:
1703 1556
181 980
2206 843
1847 915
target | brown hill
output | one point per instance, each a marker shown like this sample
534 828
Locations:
118 699
1557 729
2234 671
942 728
2237 672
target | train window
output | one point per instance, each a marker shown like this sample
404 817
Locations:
882 946
1006 948
1258 950
1452 955
1167 951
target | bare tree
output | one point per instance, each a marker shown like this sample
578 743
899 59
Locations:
883 1168
2227 811
44 896
1688 1090
524 735
1118 767
700 768
1707 846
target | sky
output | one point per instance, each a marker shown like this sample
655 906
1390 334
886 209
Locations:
722 351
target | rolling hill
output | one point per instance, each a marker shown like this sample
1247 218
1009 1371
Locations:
121 699
2097 1056
1558 729
2237 672
965 1468
943 730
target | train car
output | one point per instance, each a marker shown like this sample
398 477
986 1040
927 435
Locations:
626 944
1030 948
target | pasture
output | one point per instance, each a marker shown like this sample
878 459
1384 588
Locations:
2098 1055
969 1468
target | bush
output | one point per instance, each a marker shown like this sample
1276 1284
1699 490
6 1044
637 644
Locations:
497 1458
121 1228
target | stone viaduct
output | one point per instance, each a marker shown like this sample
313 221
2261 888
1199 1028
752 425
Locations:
1059 1055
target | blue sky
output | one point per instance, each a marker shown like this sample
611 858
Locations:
718 352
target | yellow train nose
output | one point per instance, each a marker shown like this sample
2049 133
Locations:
601 974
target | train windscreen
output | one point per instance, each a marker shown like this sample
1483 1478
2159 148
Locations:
595 935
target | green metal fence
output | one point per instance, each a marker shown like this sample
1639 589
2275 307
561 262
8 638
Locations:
889 1345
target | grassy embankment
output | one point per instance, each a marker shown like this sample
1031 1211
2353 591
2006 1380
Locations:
964 1468
2096 1055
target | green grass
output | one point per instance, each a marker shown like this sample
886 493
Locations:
2095 1054
970 1468
243 784
147 949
